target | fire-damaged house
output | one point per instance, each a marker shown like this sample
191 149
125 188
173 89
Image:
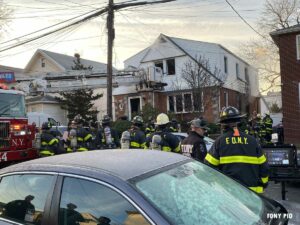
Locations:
187 78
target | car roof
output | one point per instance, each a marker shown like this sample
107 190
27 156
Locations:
125 164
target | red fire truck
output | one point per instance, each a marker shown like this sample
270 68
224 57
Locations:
16 136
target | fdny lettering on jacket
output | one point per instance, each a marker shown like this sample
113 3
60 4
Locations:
236 140
187 150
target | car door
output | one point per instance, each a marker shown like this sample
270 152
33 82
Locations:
25 198
88 201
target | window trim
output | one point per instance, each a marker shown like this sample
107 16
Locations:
183 102
51 194
298 46
63 175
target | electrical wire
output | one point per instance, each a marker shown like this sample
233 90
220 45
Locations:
17 38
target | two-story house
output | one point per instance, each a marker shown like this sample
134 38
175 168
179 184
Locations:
164 63
288 42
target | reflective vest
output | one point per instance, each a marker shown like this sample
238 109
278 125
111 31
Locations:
137 138
48 144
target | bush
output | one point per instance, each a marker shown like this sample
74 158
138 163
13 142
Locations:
121 125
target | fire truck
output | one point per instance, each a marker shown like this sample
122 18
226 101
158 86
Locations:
16 136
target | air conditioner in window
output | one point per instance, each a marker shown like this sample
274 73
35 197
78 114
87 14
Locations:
155 74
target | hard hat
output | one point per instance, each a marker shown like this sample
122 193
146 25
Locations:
78 119
138 120
258 115
199 123
162 119
106 119
267 113
46 126
230 114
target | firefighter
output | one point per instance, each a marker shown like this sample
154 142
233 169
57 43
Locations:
237 154
49 143
150 127
84 137
260 129
194 145
162 139
268 124
107 138
137 136
173 126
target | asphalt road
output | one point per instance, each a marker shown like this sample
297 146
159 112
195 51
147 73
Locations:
273 191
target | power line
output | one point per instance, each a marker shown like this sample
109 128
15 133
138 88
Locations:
59 29
17 38
245 21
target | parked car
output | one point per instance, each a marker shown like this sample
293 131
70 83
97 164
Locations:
208 141
128 187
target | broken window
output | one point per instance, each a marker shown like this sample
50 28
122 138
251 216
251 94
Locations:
159 64
188 103
171 104
43 62
171 66
198 104
179 105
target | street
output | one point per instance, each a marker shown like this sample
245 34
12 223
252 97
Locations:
293 191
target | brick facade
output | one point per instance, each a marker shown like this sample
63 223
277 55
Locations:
290 79
211 105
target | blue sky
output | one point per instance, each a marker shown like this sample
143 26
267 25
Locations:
136 28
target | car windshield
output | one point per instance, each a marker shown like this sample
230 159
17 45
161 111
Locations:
193 193
12 105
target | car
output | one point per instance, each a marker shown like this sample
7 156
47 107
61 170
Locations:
128 187
208 141
58 130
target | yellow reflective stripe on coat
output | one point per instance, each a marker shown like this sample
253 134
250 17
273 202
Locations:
134 144
177 149
87 137
209 158
69 150
54 140
82 149
46 152
265 180
257 189
143 145
79 138
242 159
166 149
44 143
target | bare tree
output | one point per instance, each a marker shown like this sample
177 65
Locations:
203 82
263 52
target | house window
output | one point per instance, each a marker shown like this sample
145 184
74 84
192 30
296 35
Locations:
298 46
159 64
237 70
226 99
171 66
43 62
246 75
225 64
188 107
171 104
179 103
185 102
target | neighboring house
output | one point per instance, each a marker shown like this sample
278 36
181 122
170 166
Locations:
47 104
9 75
268 100
48 73
288 42
162 85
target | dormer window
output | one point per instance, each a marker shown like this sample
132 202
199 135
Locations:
43 62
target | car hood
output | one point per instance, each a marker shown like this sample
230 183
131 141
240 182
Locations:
294 209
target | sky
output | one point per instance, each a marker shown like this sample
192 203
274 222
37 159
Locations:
135 28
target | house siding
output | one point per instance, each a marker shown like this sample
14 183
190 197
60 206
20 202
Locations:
290 70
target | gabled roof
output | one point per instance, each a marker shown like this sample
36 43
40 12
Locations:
41 99
10 69
292 29
65 62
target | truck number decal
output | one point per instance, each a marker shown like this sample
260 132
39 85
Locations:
3 157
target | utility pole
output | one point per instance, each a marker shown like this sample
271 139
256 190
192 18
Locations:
110 40
111 36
